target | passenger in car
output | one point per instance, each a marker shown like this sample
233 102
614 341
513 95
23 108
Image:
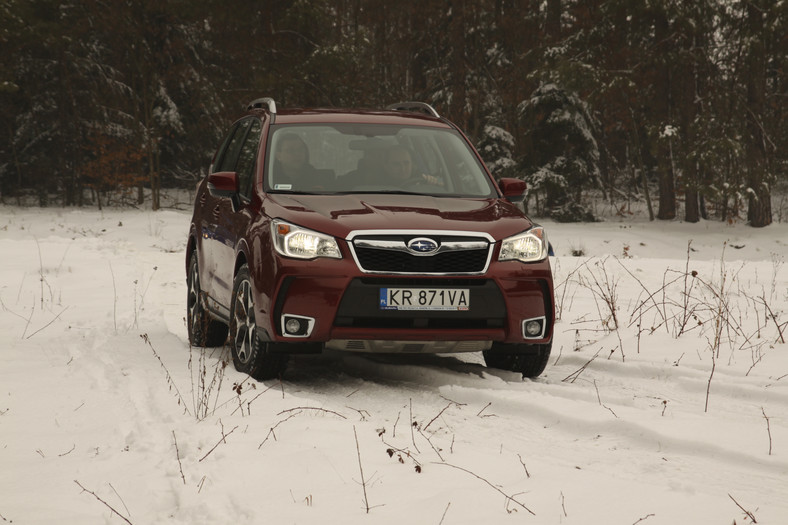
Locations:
292 170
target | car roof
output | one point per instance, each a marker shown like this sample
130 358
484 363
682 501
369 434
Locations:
353 116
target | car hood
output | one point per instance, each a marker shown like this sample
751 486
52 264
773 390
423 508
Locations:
338 215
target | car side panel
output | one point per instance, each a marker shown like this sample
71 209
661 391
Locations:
223 253
226 220
206 209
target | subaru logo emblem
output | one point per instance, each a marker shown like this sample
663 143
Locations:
422 246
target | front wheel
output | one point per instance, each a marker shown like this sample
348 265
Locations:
250 355
529 360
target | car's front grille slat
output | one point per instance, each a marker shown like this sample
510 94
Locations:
466 261
388 254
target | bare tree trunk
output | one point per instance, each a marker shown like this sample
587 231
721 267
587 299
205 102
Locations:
759 208
17 166
457 29
154 177
689 112
553 25
156 180
667 187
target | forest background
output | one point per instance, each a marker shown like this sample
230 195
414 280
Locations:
677 106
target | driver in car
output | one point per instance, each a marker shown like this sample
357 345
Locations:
399 169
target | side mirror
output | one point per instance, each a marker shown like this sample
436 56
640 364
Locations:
513 189
225 184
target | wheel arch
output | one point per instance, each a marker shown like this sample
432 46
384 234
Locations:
191 247
240 259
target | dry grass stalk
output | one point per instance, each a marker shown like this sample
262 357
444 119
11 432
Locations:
361 470
509 498
121 516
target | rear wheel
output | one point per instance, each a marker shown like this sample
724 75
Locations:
529 360
203 329
250 355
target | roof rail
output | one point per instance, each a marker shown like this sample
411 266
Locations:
418 107
262 103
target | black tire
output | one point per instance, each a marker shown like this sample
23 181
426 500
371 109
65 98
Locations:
203 329
529 360
250 354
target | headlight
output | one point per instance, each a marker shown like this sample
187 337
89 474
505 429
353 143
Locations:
293 241
529 246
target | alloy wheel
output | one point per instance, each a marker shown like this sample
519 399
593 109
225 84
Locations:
193 300
245 328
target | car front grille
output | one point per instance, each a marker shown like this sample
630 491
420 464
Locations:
389 254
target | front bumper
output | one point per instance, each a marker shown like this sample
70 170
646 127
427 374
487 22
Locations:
338 305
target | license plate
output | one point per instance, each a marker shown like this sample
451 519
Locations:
424 299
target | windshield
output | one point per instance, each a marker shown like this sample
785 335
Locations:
373 158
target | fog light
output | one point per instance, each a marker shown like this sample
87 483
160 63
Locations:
296 325
534 328
293 326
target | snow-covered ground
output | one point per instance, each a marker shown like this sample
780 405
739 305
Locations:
680 415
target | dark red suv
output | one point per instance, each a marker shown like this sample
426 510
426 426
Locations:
363 231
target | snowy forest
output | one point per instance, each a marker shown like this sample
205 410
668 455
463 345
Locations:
678 106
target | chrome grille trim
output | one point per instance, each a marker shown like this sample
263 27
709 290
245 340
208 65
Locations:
382 240
400 246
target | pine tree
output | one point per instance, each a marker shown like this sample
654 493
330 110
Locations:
562 158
